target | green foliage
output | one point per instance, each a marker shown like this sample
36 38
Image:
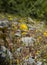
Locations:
32 8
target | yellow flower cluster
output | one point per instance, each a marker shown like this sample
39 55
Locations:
45 33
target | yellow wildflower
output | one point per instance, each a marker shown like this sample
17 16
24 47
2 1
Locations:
45 33
23 26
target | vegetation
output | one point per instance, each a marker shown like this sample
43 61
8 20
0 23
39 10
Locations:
23 32
34 8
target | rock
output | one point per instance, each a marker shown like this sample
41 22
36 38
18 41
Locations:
28 41
39 63
5 52
17 34
9 54
4 23
19 49
3 55
3 49
31 60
